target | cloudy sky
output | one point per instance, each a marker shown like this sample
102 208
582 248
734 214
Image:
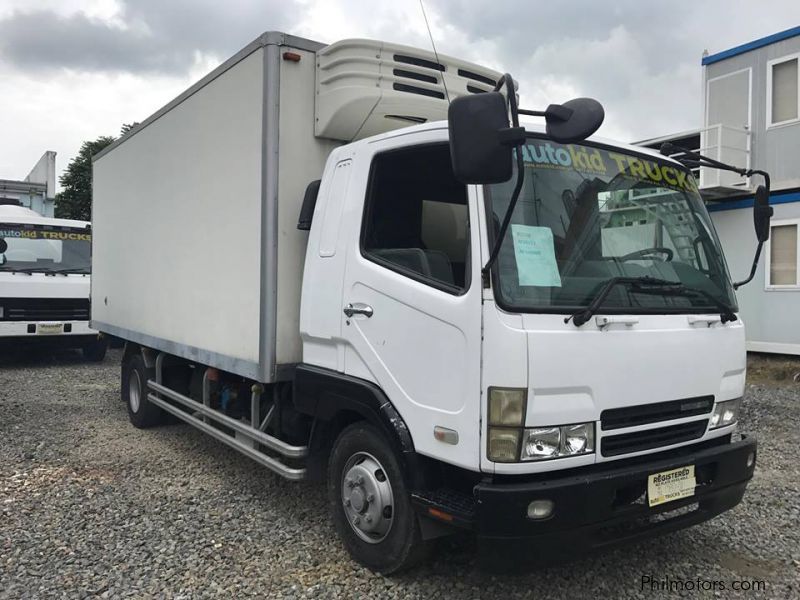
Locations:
72 70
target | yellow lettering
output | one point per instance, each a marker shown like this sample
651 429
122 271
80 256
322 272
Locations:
654 174
636 167
596 161
665 171
619 159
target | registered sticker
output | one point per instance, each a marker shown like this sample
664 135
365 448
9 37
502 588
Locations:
671 485
49 328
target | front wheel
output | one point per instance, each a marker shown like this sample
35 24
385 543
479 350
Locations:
370 503
95 351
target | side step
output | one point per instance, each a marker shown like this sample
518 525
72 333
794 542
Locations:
250 433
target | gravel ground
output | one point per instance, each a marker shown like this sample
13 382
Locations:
90 506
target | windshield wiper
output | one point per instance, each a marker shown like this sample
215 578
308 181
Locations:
661 286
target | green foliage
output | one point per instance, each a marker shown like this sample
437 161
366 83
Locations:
74 201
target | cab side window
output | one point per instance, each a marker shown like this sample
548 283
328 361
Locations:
416 219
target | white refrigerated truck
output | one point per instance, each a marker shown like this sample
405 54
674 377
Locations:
308 264
45 267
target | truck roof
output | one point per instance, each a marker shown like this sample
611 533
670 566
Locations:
22 215
533 128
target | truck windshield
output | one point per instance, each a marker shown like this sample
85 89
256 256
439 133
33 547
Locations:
590 213
43 249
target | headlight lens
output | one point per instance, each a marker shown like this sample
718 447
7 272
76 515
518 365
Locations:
558 442
542 443
503 444
507 406
725 413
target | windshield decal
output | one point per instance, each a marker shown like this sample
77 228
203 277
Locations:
593 161
534 250
40 234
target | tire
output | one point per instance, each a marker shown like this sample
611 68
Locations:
95 351
142 413
385 545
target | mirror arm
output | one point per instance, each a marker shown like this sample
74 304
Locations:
512 101
739 284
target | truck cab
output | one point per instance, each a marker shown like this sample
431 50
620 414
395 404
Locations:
45 266
491 375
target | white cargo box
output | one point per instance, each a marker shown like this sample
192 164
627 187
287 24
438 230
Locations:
196 250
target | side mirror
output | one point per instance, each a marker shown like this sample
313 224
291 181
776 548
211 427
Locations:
477 151
762 213
3 245
308 206
573 121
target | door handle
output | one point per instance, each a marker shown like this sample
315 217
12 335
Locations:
358 308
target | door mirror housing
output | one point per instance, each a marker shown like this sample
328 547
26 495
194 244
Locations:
573 121
477 150
762 213
3 245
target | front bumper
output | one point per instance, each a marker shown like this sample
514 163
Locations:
605 505
28 329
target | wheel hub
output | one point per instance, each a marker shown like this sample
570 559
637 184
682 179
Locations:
367 497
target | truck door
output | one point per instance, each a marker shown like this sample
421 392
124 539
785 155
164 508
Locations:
412 293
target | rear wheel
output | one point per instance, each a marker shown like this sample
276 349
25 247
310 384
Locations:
141 411
370 503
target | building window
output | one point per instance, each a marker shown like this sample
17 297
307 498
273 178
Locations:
416 220
783 255
783 91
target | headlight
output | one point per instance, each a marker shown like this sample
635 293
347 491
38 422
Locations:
725 413
507 406
557 442
506 417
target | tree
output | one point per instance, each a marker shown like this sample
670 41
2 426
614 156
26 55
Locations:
74 201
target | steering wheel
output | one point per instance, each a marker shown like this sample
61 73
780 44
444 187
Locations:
650 253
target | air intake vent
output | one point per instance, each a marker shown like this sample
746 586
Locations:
475 89
419 62
477 77
412 89
414 75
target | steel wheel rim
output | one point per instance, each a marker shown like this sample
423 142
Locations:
134 391
367 497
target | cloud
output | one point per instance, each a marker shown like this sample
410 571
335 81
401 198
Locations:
142 36
76 69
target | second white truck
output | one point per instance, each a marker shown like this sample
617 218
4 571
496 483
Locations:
45 267
524 332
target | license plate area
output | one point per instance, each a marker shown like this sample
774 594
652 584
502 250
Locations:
49 328
668 486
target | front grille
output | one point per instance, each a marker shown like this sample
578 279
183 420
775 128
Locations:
617 418
44 309
639 441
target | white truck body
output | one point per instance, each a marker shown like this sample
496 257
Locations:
225 151
38 303
234 315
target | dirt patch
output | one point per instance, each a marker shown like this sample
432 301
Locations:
773 369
